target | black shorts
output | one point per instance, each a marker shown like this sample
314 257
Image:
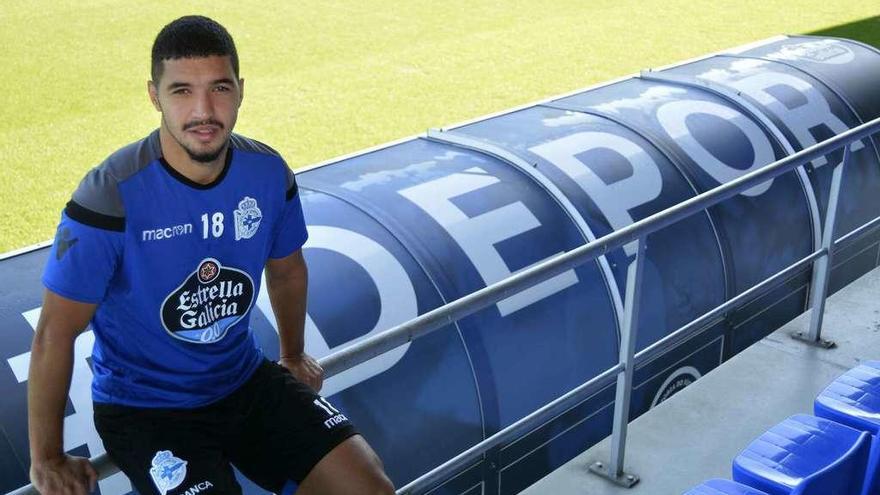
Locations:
274 429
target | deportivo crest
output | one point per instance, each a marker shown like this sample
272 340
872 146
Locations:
247 218
168 471
207 303
820 51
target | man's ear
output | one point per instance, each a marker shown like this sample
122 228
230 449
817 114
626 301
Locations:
153 91
240 91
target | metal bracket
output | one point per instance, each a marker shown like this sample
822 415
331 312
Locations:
623 479
805 338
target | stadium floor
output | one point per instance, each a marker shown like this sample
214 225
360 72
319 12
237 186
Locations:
695 435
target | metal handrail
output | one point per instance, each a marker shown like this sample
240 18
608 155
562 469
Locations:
638 231
547 269
597 383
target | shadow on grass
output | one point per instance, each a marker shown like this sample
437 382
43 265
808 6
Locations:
865 30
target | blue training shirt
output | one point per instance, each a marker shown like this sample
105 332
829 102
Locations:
175 268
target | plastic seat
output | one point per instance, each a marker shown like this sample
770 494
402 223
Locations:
853 399
722 487
805 455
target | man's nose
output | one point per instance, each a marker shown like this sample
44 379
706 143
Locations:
203 107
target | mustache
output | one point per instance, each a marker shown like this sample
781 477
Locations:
190 125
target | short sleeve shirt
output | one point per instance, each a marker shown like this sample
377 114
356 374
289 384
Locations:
175 268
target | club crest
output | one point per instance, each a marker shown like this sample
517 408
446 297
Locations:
247 218
820 51
168 471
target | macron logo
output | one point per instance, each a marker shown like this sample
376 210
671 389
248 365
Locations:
166 233
335 420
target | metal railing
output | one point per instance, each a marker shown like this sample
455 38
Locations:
638 233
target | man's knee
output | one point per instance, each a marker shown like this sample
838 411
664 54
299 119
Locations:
379 484
351 467
373 479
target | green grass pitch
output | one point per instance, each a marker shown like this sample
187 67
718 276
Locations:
331 77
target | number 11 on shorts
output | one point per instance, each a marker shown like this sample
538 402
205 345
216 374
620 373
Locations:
323 404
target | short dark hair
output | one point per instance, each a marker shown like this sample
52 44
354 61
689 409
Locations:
189 37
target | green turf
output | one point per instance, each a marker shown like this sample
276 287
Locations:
331 77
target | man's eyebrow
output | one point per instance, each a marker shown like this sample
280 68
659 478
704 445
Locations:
175 85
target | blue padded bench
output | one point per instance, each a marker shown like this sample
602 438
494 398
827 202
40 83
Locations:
722 487
805 455
853 399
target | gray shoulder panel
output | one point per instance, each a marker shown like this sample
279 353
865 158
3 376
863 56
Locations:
247 144
99 191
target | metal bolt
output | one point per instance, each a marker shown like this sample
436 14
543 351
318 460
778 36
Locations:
630 477
599 465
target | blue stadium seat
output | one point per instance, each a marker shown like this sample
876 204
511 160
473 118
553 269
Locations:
805 455
853 399
722 487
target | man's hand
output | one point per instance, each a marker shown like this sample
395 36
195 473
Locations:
64 475
287 282
305 369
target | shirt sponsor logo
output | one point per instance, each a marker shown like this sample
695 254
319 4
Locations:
166 233
207 303
168 471
247 218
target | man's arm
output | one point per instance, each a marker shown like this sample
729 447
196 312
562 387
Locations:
287 280
52 471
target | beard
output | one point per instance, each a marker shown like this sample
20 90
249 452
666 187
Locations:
200 156
205 156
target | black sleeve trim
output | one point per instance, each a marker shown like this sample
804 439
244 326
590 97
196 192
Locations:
292 191
86 216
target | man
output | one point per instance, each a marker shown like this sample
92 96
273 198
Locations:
161 248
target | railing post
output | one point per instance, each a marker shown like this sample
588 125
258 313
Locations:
491 471
614 470
822 266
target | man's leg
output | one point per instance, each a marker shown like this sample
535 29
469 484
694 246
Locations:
292 439
350 468
166 452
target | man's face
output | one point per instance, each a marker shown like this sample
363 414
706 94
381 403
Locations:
199 100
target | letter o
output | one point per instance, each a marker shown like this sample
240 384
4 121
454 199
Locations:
673 117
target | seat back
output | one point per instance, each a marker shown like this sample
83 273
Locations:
805 455
853 399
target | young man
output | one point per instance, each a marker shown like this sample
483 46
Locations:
162 248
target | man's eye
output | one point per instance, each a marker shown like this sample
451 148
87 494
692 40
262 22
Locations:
181 91
222 89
